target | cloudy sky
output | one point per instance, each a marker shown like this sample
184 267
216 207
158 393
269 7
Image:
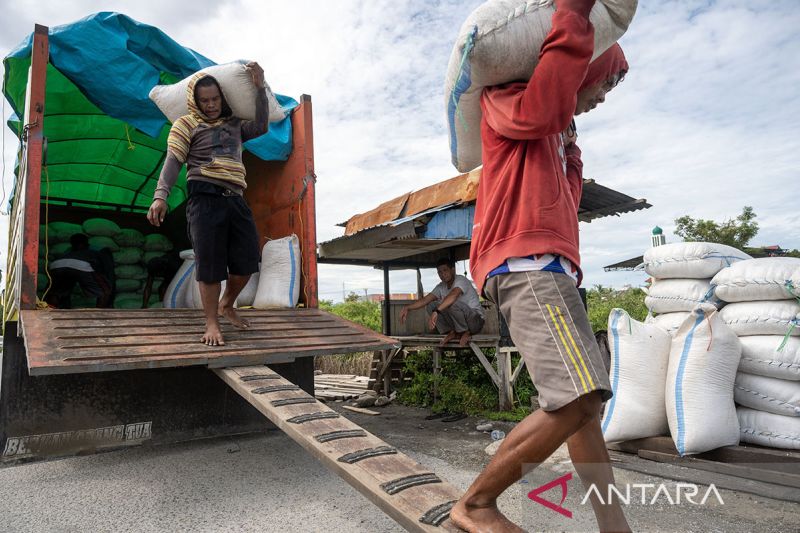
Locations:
706 121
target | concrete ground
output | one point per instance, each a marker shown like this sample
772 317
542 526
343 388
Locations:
268 483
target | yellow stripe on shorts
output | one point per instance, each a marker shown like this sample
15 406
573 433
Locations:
566 346
577 350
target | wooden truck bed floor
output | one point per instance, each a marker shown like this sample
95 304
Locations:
97 340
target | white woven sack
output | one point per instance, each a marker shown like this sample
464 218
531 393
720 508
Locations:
778 317
669 322
237 87
703 360
696 260
773 356
279 282
768 429
770 395
500 42
766 278
678 295
175 295
248 294
639 358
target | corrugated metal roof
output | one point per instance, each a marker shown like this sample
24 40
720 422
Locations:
415 224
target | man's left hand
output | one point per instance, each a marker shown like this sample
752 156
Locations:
257 73
570 135
432 321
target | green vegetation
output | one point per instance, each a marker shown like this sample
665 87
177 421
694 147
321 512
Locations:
464 386
601 300
737 232
356 310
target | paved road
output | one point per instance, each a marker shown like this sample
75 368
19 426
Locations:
268 483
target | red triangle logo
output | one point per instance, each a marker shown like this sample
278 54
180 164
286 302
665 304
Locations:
562 482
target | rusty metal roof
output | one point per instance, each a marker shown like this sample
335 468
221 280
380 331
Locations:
409 230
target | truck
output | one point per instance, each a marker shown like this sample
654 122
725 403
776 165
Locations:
78 381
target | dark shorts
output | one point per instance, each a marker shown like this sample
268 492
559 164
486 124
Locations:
91 284
222 232
551 330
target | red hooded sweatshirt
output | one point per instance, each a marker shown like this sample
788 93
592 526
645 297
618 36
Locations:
530 189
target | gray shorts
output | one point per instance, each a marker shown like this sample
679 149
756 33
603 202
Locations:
549 327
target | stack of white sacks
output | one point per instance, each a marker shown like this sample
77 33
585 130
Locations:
676 372
276 285
764 311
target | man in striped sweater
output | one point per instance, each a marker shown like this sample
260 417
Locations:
220 224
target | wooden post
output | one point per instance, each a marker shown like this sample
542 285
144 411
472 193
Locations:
437 371
32 170
505 371
387 302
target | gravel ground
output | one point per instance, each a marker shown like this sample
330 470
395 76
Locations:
267 482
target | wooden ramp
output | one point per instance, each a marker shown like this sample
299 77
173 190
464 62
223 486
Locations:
405 490
95 340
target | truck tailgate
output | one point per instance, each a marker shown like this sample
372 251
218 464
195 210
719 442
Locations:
96 340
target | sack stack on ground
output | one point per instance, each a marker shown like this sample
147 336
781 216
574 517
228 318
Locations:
639 359
764 311
703 359
499 43
682 275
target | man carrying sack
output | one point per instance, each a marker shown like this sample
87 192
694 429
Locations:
525 258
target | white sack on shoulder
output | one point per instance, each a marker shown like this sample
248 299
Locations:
237 86
703 360
639 359
500 42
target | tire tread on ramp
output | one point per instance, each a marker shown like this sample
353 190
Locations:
408 492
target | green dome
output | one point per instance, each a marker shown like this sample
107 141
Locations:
657 231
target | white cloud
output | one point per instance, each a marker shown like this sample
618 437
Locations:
704 123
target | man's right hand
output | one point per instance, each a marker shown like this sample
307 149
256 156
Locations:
403 314
584 7
157 212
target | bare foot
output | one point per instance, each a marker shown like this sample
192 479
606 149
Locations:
233 317
213 336
482 519
448 338
465 338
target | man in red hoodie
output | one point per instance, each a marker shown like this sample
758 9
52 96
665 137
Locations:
525 259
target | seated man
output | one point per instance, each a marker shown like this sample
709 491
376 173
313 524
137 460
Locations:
92 270
454 306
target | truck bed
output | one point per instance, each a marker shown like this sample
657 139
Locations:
97 340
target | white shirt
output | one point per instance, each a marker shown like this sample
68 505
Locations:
469 295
